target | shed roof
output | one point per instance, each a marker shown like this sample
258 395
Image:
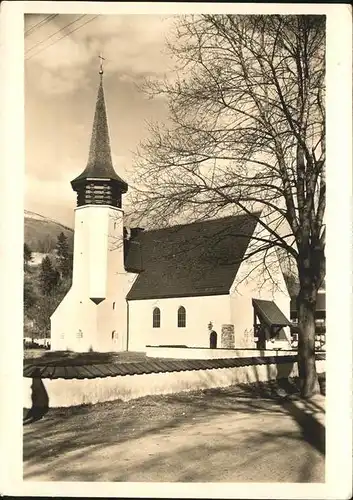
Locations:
270 313
195 259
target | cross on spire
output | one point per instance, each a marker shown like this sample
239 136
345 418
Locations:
101 63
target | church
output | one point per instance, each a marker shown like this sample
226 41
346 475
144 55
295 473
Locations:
186 285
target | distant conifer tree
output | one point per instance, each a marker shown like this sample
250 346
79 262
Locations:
64 256
49 276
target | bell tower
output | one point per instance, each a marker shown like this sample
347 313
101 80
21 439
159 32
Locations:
99 184
92 316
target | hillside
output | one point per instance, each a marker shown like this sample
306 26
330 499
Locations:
40 233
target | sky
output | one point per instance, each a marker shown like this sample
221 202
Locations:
61 82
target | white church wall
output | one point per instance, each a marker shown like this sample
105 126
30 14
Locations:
112 315
73 323
80 261
253 282
112 312
79 324
98 327
200 311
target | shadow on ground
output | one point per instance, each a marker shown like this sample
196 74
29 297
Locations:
250 432
287 390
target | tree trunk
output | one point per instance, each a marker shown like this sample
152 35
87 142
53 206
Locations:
306 306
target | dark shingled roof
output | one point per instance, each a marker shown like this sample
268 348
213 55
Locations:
270 313
99 163
151 365
195 259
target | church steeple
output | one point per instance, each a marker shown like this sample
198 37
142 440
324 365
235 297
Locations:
99 184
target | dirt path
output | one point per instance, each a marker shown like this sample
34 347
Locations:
217 435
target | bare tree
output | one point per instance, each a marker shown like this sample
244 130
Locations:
246 133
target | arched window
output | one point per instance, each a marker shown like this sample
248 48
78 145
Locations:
156 317
181 317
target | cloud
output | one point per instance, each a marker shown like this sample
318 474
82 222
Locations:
133 46
55 197
59 82
53 44
61 86
49 192
122 166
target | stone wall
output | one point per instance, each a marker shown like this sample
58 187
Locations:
206 353
227 337
71 392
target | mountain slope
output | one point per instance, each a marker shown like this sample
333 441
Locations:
40 233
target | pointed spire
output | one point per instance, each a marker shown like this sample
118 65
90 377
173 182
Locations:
99 158
99 165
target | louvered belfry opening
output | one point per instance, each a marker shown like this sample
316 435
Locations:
99 192
99 184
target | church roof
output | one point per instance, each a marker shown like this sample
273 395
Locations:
99 165
195 259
